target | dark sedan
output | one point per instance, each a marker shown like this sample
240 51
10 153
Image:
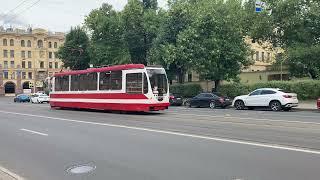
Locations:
22 98
175 100
209 100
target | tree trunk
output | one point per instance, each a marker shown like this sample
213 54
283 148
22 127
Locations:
180 76
216 85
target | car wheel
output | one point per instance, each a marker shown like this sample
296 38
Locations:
239 105
275 105
187 103
212 105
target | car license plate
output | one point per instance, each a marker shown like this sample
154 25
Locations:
178 98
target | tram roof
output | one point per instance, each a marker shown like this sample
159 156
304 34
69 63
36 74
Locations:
103 69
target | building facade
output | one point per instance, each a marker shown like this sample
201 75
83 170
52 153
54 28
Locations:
27 58
262 70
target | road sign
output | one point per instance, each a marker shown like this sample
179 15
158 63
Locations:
30 85
39 84
259 6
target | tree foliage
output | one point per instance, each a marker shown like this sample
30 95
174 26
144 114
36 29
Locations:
108 45
294 26
74 53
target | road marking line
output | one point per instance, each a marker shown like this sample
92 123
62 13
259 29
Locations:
248 118
34 132
257 144
13 175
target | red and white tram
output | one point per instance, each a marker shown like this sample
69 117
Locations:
130 87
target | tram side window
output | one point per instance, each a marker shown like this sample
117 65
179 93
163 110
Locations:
88 82
134 83
62 83
75 82
110 80
92 81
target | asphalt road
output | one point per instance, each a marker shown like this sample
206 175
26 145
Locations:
39 143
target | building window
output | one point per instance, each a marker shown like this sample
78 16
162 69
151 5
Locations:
23 74
50 65
29 64
257 56
262 56
50 44
55 45
29 75
4 42
23 43
23 54
56 65
5 75
12 53
40 44
41 64
13 75
5 64
11 42
11 64
23 64
29 43
5 53
29 54
50 55
190 77
268 57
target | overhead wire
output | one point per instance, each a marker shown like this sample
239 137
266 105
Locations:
12 10
29 7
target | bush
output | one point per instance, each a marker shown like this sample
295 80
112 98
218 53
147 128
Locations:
306 89
186 90
234 89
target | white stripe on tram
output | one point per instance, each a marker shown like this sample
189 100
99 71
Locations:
118 101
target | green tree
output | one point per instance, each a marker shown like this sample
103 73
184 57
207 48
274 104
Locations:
108 45
214 43
74 53
293 25
165 50
150 4
140 24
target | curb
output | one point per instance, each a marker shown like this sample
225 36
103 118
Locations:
9 175
306 109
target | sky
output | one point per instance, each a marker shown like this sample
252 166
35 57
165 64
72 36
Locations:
53 15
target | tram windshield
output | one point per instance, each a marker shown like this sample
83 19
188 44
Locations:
158 81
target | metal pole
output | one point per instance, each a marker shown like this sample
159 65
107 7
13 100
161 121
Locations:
281 70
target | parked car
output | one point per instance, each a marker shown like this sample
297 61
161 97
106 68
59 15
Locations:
40 98
276 99
209 100
175 99
318 103
21 98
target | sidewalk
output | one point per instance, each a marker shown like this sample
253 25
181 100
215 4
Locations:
7 175
307 105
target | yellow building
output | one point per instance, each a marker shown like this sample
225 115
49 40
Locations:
263 56
27 57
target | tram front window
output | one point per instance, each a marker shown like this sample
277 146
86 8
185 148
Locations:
158 81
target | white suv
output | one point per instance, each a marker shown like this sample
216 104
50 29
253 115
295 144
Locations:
276 99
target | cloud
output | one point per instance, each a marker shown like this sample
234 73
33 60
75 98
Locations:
11 19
